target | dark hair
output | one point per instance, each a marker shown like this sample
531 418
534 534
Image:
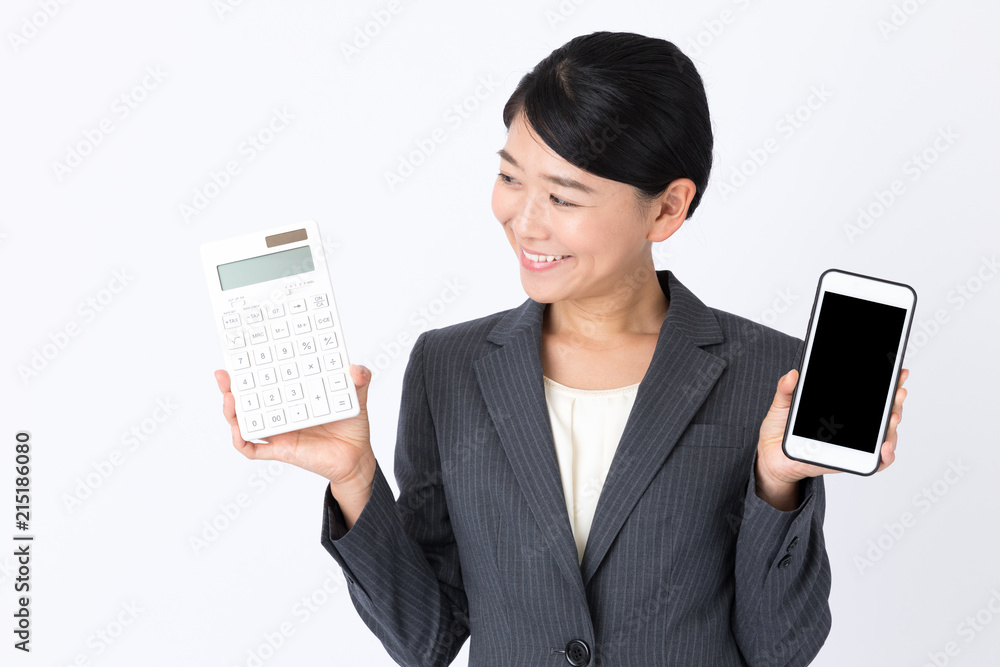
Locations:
621 106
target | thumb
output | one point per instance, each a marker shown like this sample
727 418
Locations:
786 385
362 380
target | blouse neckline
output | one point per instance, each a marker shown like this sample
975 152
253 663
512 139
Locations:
617 391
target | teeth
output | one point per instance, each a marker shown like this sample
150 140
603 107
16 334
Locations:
543 258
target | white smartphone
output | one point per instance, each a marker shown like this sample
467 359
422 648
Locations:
849 371
281 335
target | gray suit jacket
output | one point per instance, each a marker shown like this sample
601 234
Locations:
684 564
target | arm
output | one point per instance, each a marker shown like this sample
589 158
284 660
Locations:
782 613
400 558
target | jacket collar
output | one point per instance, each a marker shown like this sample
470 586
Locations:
678 380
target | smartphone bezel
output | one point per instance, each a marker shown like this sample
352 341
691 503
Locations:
828 455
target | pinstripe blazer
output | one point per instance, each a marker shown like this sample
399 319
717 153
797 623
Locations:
684 564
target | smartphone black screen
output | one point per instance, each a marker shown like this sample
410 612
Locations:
849 372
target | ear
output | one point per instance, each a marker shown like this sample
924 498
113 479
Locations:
671 209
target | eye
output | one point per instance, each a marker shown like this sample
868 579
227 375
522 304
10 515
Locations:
561 202
505 178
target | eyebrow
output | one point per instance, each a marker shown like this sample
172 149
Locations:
558 180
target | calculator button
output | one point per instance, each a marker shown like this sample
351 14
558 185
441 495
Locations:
317 398
245 381
296 306
284 351
271 397
241 360
305 345
324 320
231 321
342 403
276 310
262 355
235 340
258 335
298 413
292 392
276 417
310 366
318 301
336 382
279 330
249 402
289 371
328 341
254 422
333 361
267 376
252 315
301 325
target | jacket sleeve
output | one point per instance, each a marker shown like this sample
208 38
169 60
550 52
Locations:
781 617
400 558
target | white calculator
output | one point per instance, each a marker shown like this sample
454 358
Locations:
281 335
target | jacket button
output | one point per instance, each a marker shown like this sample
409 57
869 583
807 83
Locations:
791 545
784 562
577 653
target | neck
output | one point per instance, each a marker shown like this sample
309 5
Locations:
634 305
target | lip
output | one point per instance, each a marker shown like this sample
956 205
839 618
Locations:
539 266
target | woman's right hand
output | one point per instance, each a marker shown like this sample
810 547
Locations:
340 451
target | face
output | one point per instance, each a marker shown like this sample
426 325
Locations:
548 207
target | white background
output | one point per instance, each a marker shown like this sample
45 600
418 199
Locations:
756 250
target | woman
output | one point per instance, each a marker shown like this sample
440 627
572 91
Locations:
596 476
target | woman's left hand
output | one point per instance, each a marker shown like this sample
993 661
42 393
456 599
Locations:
778 475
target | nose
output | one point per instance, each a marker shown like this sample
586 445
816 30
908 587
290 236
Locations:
531 217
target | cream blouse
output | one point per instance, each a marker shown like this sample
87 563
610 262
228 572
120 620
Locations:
587 425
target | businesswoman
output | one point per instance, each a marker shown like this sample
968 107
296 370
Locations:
594 477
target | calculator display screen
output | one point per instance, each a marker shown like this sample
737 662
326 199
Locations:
266 267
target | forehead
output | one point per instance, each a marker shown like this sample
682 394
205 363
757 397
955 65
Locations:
529 153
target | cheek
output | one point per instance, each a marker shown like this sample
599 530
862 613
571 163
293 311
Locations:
502 203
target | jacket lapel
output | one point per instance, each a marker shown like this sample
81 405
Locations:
679 379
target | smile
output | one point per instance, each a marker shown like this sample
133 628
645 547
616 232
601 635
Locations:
543 258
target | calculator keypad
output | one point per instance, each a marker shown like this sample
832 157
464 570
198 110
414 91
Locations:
287 361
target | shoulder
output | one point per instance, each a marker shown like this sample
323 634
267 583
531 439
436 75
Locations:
750 342
463 341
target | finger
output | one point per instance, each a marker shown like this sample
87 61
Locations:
229 408
903 375
222 379
888 456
